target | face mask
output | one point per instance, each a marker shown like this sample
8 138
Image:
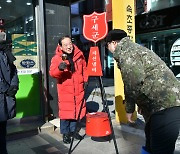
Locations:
2 36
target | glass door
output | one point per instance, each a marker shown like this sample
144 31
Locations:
20 26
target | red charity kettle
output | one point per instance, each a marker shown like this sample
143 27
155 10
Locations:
97 124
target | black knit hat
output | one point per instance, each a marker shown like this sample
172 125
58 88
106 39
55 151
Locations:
115 35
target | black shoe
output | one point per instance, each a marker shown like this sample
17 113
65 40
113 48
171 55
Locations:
78 137
66 138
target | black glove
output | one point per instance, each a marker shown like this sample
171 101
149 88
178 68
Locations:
85 85
62 66
12 90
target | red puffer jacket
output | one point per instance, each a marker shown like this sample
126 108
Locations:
70 85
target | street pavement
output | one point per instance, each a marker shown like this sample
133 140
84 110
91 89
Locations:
34 136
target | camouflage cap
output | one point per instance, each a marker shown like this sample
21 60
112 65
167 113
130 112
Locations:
115 35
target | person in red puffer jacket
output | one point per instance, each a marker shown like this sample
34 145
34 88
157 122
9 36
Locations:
68 66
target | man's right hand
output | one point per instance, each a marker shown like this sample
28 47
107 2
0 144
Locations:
62 66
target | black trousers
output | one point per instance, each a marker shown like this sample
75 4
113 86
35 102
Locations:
162 131
3 132
67 126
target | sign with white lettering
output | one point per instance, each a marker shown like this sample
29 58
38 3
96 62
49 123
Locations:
95 26
94 63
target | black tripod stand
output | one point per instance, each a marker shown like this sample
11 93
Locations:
105 109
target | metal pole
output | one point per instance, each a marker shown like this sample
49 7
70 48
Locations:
103 94
105 105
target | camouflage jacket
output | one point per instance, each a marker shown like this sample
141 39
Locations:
148 82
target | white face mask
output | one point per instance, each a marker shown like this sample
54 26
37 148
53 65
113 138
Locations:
2 36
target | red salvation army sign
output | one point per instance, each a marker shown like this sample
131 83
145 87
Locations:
95 26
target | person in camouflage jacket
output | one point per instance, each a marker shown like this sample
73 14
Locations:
150 84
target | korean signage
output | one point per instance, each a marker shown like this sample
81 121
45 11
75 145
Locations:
122 18
94 63
94 29
95 26
129 17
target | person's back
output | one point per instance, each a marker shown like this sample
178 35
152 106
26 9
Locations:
150 84
156 86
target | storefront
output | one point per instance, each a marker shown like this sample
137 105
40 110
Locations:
20 26
34 27
160 32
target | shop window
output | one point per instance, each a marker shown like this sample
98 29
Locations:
163 43
20 24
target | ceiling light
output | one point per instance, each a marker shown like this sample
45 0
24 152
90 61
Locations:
8 1
28 3
0 7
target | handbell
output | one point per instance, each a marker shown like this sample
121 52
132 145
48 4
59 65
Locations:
64 56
